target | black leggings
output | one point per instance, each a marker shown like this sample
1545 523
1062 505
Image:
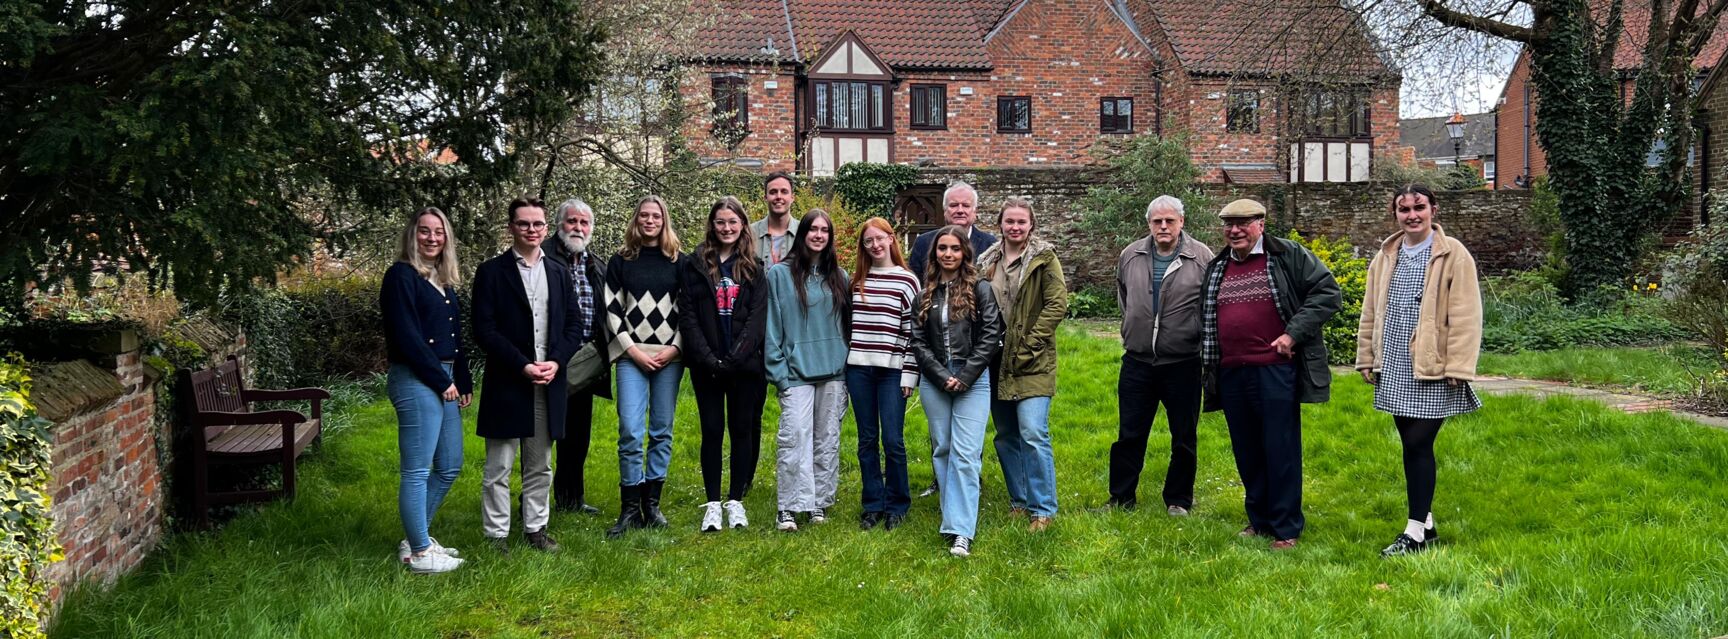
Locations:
1418 436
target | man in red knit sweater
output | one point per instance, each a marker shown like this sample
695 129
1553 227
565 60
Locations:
1266 300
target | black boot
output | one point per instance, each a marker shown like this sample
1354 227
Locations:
651 516
630 514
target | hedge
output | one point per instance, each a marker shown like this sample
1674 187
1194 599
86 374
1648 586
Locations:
27 543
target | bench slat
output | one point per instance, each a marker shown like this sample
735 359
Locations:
253 439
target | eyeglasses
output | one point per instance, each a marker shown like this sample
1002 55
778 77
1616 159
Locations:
1233 223
528 226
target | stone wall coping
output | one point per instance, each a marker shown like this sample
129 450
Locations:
64 389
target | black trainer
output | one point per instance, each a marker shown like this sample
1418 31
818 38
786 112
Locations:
893 521
1403 545
869 520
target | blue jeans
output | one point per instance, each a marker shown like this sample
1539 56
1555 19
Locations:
1023 447
429 442
880 411
957 439
653 396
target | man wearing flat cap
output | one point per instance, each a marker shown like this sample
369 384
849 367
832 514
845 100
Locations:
1262 357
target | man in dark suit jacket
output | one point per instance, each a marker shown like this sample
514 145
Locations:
525 321
959 208
588 283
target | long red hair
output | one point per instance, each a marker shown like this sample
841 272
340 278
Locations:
861 267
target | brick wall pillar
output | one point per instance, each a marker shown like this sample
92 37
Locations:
108 505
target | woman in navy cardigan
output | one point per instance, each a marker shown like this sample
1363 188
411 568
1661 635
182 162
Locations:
428 381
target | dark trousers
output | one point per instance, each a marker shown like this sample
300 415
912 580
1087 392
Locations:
1266 435
1140 388
729 403
880 410
572 451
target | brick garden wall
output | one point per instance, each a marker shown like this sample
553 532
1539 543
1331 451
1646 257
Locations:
107 486
1494 224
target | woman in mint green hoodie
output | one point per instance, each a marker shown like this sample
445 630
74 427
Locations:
805 353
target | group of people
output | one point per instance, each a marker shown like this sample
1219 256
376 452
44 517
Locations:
969 322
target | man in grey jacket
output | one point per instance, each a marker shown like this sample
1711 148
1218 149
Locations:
1159 280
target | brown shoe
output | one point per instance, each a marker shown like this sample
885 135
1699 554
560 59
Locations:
1250 531
1039 524
1017 512
1284 544
541 541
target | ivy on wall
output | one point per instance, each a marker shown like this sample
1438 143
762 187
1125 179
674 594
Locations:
27 543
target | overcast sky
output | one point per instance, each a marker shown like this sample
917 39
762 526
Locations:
1445 70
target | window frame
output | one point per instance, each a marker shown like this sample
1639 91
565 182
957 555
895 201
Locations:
1234 102
1347 115
822 113
738 87
918 96
1002 100
1125 124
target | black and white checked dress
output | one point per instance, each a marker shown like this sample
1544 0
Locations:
1397 390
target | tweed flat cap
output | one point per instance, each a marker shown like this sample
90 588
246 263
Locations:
1242 209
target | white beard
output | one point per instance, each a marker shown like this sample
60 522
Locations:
574 243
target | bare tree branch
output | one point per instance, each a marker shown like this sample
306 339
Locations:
1438 10
1611 37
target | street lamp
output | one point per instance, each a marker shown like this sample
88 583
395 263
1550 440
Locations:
1455 131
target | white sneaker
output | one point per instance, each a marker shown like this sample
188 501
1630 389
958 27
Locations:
735 514
819 516
431 563
403 550
786 521
711 518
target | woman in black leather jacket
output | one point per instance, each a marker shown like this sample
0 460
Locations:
956 332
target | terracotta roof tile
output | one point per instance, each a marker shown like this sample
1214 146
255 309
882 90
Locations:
904 33
1629 55
941 34
1265 37
743 28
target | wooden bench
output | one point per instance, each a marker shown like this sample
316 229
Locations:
226 431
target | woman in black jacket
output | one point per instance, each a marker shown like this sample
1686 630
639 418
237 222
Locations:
723 298
955 333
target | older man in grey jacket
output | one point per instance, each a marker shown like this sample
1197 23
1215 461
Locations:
1159 280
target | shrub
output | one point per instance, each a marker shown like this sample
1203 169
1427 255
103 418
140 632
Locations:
1134 172
27 543
869 189
1696 276
808 196
1093 302
1525 312
1352 275
1545 216
312 331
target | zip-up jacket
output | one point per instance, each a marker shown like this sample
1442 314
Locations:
1172 334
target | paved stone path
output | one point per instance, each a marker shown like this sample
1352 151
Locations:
1542 388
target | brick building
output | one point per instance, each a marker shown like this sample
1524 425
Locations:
1270 90
1517 148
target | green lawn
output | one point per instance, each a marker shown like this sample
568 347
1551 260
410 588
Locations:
1558 518
1666 370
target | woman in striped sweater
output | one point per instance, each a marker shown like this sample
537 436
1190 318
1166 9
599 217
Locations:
880 371
642 317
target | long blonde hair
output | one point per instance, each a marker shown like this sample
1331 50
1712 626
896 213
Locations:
634 240
443 273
